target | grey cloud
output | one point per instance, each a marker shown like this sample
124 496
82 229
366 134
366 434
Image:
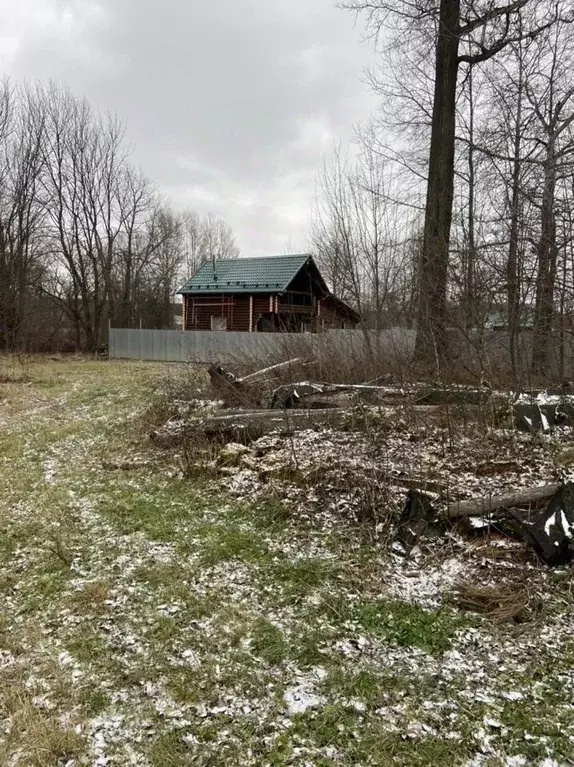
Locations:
230 104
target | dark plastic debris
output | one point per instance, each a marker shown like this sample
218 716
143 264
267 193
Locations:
551 530
289 396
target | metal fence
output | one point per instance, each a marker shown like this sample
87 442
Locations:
469 352
208 346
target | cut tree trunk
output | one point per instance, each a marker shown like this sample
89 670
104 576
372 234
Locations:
546 277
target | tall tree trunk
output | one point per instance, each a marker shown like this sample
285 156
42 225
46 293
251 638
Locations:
546 277
470 287
431 342
512 266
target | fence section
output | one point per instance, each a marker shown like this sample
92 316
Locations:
469 352
227 347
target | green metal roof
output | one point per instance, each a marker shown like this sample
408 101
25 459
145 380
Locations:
246 275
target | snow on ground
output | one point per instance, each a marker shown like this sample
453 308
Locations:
150 619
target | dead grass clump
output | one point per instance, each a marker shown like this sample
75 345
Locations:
490 552
198 455
184 382
156 414
35 735
499 603
18 378
182 389
91 597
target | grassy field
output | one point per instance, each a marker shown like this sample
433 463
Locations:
148 619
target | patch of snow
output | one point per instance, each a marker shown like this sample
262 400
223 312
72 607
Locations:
302 696
49 467
425 586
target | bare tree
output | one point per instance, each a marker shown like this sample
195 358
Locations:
464 33
139 237
510 149
205 239
81 157
551 96
83 234
356 234
21 215
218 239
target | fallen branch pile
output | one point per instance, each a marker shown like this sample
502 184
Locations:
264 403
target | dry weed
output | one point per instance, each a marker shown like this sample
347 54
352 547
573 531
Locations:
500 603
92 596
40 739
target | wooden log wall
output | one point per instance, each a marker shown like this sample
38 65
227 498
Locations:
200 309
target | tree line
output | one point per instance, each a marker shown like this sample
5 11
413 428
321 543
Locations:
85 238
455 207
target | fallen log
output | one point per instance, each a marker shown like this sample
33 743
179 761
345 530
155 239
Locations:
238 425
311 394
268 419
235 424
229 388
391 390
476 507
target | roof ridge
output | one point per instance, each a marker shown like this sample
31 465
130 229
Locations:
260 258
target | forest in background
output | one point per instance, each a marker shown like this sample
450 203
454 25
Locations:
86 240
455 209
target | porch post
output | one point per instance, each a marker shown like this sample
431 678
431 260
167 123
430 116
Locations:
251 313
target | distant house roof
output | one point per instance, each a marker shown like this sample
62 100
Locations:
497 319
248 275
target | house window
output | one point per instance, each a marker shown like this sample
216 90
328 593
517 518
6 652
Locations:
218 322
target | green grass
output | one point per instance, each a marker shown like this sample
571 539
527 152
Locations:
363 685
38 590
89 647
93 701
300 577
400 623
268 642
169 750
226 543
408 625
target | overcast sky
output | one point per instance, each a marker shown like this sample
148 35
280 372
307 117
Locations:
231 105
